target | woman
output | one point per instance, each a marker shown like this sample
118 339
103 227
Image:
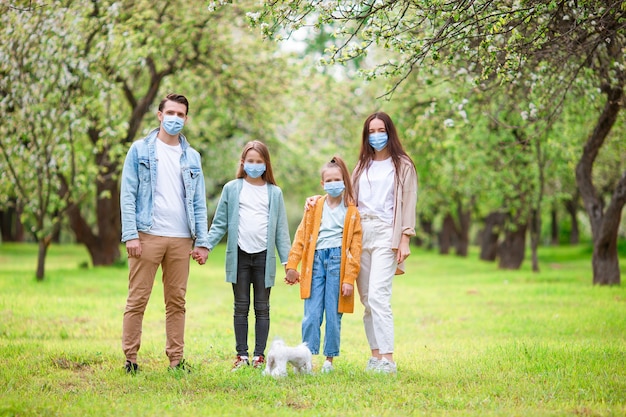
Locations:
385 183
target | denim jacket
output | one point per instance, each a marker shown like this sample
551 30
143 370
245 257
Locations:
139 184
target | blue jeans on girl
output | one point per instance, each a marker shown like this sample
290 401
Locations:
324 298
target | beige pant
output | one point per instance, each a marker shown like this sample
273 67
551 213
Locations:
172 254
378 266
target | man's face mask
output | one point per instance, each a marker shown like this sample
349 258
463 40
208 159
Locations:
172 124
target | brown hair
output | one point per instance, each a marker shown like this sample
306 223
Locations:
337 162
366 155
178 98
261 148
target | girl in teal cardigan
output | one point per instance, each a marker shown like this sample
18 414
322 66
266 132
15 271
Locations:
251 210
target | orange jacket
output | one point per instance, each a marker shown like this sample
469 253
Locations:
303 249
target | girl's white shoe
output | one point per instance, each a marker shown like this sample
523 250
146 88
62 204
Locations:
386 367
372 364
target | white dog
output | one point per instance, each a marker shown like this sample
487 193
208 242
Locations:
280 354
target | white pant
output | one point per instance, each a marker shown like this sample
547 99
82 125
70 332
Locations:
378 267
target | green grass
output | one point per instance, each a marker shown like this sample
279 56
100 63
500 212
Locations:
471 340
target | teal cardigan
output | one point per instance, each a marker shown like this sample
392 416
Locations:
226 220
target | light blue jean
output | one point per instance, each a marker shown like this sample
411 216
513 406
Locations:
324 298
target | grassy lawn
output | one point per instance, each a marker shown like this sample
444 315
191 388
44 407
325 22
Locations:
470 341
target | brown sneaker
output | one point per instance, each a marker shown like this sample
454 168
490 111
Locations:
258 361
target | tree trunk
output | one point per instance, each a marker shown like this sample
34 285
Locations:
447 235
535 236
513 248
572 209
494 222
19 226
605 263
6 224
56 235
554 226
535 211
41 257
604 224
104 247
109 222
465 218
11 228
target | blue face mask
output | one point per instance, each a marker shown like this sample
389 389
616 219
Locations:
334 188
172 124
254 170
378 140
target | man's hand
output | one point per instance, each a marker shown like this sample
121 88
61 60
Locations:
133 248
199 254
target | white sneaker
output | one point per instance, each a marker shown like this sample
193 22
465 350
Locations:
240 362
372 364
327 367
386 367
258 361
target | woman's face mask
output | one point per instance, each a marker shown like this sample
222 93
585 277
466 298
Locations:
378 140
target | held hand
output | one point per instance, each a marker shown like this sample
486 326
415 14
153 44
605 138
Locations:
403 248
199 254
133 248
310 202
347 289
292 277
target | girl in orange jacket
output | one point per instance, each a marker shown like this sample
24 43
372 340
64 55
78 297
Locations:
328 242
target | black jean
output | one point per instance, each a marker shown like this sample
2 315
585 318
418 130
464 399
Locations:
251 271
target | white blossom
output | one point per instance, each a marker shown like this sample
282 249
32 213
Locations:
254 16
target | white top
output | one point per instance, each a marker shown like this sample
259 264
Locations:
170 218
331 228
254 212
376 190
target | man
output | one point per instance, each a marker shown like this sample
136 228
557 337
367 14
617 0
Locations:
164 221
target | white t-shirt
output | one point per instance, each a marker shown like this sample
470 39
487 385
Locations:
376 190
253 217
331 228
170 216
